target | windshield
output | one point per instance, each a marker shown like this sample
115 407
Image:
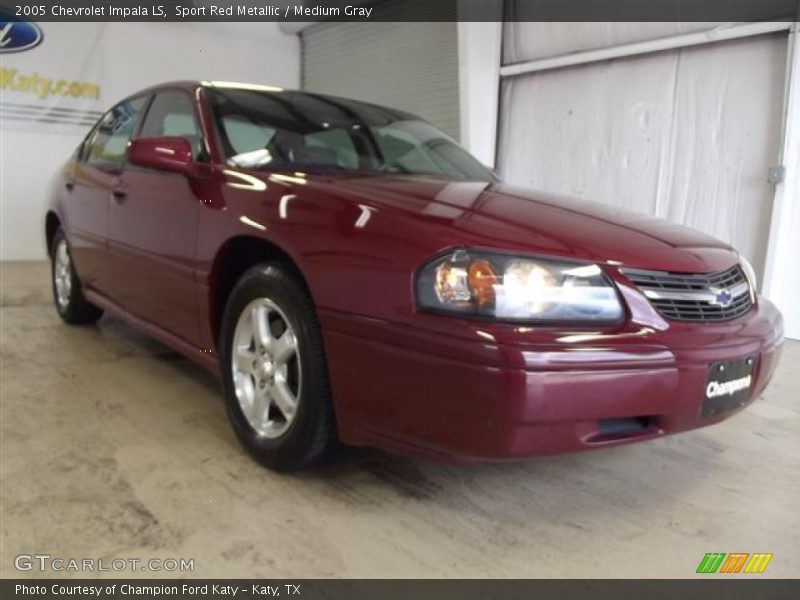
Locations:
309 132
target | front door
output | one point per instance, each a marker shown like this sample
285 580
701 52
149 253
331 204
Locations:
153 228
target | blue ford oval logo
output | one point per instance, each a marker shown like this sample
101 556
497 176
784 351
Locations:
17 35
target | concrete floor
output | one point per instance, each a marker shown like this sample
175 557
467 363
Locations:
113 446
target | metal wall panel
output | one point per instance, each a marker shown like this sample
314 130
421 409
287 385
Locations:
533 41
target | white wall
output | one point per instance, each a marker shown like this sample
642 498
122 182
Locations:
137 55
479 46
782 278
250 52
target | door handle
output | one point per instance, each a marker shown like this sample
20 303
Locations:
119 196
70 185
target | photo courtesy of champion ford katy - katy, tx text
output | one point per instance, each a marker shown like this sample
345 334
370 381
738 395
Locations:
394 299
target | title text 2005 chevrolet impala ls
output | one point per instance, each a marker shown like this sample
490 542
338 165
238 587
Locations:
353 275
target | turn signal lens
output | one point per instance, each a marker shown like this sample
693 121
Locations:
481 279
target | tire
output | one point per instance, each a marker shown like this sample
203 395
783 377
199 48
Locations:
278 360
72 307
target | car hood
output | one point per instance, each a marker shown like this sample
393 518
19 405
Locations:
506 217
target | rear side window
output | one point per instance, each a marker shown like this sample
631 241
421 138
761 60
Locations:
172 114
107 145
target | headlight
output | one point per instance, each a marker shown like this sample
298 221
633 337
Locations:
478 283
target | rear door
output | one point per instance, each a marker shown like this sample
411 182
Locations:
90 187
153 227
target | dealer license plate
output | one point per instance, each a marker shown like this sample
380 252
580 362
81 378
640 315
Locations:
728 385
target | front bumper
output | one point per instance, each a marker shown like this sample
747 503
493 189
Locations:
411 390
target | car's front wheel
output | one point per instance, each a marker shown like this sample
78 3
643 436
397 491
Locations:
72 307
274 374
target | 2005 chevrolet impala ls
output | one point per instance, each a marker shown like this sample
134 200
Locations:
354 276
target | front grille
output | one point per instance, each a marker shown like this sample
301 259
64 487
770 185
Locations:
687 297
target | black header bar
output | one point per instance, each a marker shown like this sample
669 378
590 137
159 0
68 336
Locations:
711 587
401 10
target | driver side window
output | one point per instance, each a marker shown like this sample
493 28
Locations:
172 114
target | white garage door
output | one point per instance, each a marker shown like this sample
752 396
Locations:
410 66
687 135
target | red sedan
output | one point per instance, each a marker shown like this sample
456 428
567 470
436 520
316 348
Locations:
354 276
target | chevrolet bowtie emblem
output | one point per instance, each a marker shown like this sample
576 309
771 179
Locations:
722 297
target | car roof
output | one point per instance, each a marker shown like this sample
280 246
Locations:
192 85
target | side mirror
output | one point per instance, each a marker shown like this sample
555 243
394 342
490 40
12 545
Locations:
173 154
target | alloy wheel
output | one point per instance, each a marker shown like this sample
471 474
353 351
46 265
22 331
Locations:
266 369
62 274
